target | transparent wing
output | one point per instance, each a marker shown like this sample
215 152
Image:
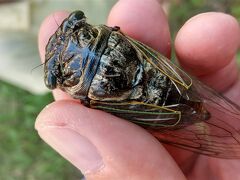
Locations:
219 136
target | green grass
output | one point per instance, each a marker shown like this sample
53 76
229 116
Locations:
182 10
23 154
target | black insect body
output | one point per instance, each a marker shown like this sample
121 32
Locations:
108 70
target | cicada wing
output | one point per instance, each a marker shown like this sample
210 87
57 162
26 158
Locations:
217 136
181 79
143 114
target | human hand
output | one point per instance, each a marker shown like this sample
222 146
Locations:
105 147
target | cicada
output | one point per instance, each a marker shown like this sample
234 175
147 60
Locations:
109 71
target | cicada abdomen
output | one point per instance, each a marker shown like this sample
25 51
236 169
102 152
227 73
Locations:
109 71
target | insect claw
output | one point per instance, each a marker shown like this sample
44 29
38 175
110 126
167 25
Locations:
116 28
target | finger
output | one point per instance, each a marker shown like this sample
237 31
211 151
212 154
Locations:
103 146
150 28
143 21
224 78
201 50
47 29
233 93
206 46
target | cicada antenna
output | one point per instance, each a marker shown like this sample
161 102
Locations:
37 67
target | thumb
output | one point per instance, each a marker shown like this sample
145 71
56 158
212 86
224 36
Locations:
103 146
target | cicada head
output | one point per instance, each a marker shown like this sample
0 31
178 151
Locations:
66 52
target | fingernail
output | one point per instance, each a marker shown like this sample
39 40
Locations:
74 147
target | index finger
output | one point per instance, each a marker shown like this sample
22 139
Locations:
206 46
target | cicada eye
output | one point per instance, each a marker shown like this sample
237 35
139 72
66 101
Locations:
78 15
51 80
76 19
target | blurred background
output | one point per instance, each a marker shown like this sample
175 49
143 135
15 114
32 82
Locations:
23 155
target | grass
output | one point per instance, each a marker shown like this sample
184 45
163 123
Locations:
23 154
182 10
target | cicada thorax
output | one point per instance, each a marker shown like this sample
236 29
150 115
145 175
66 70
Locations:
120 73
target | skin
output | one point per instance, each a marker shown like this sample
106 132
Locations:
105 147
